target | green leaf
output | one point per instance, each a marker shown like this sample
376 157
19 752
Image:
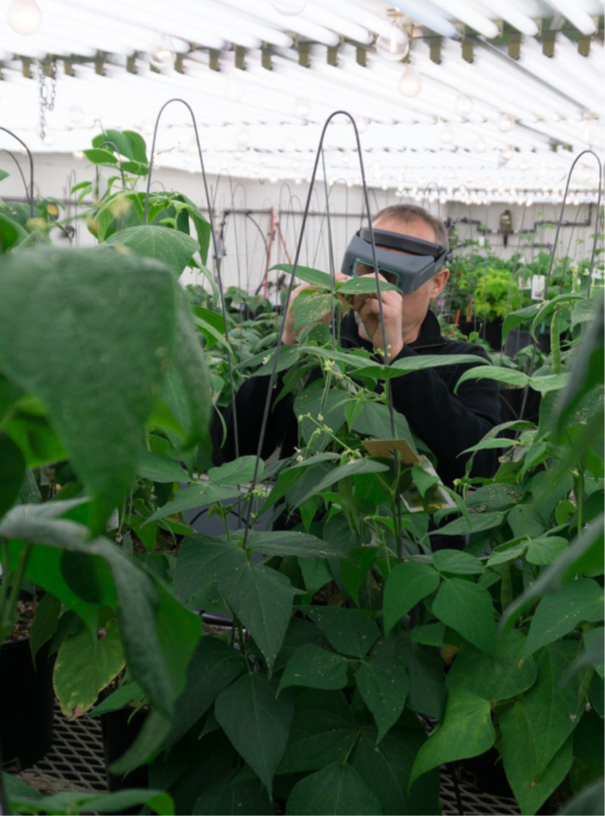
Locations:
419 363
305 273
374 419
213 668
124 142
314 667
455 562
168 246
589 802
560 613
354 570
124 695
549 382
585 553
228 797
365 286
324 730
147 743
203 561
85 666
100 156
514 319
336 789
310 307
507 674
553 710
545 550
240 471
385 768
160 468
262 599
466 731
122 801
12 472
588 752
479 523
100 375
593 643
383 682
508 376
280 542
587 373
45 623
256 722
354 468
11 233
467 608
531 788
425 670
348 630
195 495
406 585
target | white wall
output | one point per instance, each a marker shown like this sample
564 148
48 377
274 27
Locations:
245 261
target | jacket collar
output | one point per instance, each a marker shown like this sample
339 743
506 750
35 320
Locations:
430 333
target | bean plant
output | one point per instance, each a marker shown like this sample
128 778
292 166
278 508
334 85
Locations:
355 661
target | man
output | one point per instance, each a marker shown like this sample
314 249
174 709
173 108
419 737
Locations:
448 423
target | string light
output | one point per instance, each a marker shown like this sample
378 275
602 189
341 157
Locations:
410 83
395 46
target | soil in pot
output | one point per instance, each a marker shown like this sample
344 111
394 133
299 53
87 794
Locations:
26 702
120 729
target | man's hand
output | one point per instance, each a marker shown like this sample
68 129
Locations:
289 335
368 309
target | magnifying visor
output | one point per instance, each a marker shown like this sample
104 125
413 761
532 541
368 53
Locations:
409 263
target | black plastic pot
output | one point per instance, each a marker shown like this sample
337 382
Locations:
520 338
120 730
468 326
26 704
493 334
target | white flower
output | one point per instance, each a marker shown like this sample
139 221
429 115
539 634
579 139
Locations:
266 360
320 417
300 458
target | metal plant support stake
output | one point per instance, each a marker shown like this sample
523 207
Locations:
289 292
217 258
31 168
554 249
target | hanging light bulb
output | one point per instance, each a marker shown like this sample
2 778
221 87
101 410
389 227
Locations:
363 123
163 50
447 134
480 145
24 16
410 83
289 7
507 153
464 105
290 146
393 46
301 108
505 123
76 114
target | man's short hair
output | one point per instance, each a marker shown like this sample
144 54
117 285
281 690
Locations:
408 213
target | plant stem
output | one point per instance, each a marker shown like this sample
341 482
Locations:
555 343
6 622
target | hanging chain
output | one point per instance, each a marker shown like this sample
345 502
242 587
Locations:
48 93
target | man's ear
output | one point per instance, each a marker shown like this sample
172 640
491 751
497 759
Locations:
438 282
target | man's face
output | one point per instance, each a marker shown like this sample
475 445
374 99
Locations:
416 304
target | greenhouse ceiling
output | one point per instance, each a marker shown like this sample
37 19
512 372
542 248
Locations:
481 99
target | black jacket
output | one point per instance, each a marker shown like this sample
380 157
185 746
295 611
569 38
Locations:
447 423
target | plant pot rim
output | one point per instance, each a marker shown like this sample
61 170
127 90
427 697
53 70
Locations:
14 643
